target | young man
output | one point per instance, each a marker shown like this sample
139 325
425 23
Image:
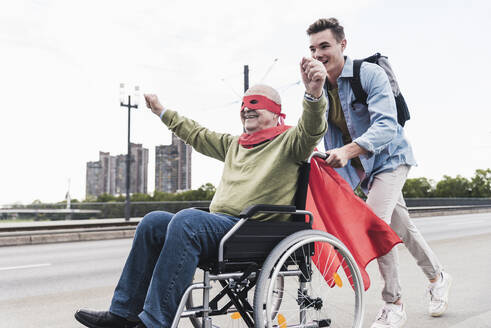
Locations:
368 147
261 167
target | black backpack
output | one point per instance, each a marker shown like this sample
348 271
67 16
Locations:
361 95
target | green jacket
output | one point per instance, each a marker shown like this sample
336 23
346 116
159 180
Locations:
265 174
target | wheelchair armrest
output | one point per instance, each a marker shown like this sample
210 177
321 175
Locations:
266 208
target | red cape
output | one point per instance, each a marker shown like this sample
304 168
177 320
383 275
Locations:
338 211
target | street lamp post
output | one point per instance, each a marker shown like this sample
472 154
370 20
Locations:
246 77
128 105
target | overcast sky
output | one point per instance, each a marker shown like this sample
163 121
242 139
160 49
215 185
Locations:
62 61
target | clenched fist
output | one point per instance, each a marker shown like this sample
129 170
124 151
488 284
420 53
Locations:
313 76
154 104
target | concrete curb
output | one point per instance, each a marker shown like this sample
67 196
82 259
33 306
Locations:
62 237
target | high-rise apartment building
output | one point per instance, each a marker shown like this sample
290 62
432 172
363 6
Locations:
120 176
173 166
138 169
108 175
93 178
108 166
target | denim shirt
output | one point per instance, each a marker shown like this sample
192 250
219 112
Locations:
373 126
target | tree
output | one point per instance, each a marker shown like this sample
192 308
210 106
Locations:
160 196
481 183
140 197
106 198
418 188
209 190
453 187
205 192
90 198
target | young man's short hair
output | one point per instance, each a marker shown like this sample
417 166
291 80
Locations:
327 23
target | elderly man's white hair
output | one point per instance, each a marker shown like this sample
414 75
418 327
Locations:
264 90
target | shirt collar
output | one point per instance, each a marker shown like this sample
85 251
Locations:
348 68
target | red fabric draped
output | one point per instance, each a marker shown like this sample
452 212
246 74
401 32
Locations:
338 211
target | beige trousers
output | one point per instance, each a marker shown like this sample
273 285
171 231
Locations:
386 200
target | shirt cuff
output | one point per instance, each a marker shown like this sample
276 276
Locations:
162 114
312 98
365 145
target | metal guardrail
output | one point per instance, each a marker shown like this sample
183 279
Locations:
101 209
9 229
139 209
447 208
449 202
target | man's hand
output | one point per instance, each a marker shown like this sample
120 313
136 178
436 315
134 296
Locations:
338 157
154 104
313 76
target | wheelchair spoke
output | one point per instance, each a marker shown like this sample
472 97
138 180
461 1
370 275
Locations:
316 296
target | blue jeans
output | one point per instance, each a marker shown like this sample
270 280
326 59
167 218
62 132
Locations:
163 259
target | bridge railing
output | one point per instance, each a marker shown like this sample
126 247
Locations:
138 209
425 202
94 210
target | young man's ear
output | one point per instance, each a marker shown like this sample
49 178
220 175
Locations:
343 44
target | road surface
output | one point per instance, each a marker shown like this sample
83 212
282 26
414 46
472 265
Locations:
42 285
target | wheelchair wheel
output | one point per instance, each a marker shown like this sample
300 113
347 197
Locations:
315 293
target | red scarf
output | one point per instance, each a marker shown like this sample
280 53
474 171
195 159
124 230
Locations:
251 140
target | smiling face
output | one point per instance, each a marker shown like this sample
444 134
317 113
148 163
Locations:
255 120
325 48
261 108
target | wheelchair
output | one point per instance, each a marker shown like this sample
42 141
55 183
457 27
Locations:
274 262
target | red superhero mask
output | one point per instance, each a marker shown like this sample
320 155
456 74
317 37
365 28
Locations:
262 102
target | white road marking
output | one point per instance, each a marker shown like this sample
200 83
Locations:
25 266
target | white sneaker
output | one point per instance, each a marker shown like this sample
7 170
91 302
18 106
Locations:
439 295
390 316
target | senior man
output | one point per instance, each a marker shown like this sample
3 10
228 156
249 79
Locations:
260 167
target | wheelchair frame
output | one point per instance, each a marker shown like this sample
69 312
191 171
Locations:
239 276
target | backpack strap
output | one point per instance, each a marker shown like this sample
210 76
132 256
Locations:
355 82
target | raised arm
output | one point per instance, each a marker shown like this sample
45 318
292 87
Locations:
312 125
205 141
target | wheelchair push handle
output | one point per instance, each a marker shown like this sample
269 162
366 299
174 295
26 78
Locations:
318 154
